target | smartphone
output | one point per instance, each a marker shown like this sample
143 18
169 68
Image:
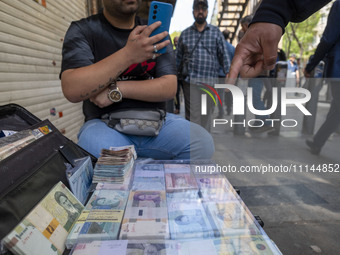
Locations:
160 11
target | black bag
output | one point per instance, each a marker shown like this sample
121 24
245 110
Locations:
28 175
183 70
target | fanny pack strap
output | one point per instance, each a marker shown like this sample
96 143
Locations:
139 114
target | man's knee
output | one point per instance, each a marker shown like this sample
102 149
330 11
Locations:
202 144
96 135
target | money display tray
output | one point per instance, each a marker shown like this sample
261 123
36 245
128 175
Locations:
181 207
168 207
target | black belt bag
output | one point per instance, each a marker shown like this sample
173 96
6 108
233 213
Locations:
136 121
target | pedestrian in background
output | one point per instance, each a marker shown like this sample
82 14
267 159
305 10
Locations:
293 74
179 84
202 46
226 97
329 48
245 21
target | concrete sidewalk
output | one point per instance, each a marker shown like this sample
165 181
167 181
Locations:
301 208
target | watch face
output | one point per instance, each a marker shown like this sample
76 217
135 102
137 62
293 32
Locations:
115 96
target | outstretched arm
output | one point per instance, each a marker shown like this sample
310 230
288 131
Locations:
329 38
258 48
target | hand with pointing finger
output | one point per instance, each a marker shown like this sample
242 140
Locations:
257 50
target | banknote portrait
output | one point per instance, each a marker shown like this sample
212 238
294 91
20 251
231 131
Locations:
147 199
73 209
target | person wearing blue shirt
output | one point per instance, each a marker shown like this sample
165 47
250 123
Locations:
293 71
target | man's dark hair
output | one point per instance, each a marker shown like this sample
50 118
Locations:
202 2
226 34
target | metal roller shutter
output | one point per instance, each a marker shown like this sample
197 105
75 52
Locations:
31 38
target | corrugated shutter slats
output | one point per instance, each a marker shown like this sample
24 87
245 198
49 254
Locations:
31 38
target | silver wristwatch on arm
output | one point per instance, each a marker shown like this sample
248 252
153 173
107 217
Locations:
114 94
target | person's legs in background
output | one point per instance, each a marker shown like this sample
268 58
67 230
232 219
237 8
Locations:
331 123
228 100
177 98
268 95
257 85
221 93
193 104
186 93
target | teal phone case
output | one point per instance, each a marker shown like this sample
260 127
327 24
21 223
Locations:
160 11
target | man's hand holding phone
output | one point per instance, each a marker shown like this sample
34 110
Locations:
141 46
149 42
162 12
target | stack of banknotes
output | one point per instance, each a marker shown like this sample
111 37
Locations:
79 177
179 177
101 219
115 165
12 141
146 216
148 177
226 212
45 229
187 217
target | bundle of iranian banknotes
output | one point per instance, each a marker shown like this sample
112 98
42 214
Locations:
115 165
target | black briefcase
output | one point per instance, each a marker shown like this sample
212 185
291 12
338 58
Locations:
27 175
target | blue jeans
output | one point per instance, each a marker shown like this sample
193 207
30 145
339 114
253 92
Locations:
178 139
257 85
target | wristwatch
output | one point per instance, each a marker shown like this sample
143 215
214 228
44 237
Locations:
114 94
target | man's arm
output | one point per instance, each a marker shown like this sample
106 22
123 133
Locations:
156 90
87 82
284 11
329 37
257 49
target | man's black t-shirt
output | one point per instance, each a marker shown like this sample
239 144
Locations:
90 40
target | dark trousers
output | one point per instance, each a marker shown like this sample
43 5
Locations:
333 117
221 93
192 99
228 101
177 98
